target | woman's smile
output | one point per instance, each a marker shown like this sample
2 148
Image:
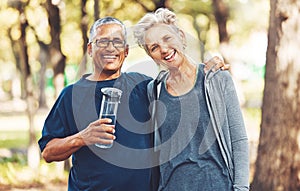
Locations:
171 56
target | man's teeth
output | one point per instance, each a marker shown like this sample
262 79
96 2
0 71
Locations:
170 56
109 56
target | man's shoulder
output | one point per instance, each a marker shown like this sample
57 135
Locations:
69 89
136 75
136 78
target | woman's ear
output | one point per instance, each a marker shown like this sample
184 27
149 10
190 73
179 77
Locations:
182 37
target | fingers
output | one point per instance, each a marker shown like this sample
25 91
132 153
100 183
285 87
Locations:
104 134
215 63
99 131
101 121
225 67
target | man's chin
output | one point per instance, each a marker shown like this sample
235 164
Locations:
111 71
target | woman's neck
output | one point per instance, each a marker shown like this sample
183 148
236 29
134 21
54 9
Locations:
180 81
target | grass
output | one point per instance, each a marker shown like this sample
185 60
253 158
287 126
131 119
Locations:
15 172
14 139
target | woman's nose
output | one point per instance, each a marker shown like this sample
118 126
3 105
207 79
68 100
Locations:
163 48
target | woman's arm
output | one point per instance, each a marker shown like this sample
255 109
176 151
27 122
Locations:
238 136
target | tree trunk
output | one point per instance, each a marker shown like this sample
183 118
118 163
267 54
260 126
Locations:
84 29
202 41
278 160
160 3
33 150
16 52
96 10
157 4
43 58
221 13
58 59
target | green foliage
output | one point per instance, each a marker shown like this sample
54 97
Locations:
15 139
245 17
18 159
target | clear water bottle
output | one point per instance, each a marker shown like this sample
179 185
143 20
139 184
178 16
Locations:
109 107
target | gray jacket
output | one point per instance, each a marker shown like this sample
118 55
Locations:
227 121
222 102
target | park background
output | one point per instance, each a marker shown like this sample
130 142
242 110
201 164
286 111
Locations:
43 49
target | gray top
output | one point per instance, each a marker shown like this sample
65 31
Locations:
190 155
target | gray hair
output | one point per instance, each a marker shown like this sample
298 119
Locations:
161 15
106 20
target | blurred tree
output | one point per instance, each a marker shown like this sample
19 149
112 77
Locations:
44 58
84 31
33 150
157 4
96 10
15 52
58 59
278 160
202 18
221 12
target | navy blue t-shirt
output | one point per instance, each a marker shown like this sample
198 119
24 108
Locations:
125 166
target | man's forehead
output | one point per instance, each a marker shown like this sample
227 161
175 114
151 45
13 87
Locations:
110 28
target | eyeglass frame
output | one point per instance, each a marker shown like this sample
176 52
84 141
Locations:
107 41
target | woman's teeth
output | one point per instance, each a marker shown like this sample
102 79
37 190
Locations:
169 56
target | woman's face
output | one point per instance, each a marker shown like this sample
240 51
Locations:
165 45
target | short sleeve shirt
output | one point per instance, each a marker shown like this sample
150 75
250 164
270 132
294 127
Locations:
125 166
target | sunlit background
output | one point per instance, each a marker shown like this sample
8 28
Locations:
245 52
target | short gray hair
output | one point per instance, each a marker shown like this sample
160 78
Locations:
161 15
107 20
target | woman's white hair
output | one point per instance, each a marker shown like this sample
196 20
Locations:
161 15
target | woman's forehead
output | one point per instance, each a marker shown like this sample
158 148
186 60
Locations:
158 31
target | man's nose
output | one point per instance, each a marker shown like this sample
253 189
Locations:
110 46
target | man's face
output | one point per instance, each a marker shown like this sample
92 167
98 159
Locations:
108 49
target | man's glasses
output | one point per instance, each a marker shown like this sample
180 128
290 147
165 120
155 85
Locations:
103 43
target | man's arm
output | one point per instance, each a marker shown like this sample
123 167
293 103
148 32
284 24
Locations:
59 149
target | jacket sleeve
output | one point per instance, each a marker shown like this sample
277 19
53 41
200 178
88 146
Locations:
238 135
226 114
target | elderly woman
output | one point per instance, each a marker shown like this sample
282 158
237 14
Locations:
204 145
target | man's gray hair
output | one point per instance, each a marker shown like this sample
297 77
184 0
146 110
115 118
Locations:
106 20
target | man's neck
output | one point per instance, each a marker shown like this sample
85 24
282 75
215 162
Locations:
103 76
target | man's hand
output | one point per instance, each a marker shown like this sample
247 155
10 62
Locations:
99 132
59 149
215 63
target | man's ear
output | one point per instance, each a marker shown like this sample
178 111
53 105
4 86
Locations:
126 50
89 49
